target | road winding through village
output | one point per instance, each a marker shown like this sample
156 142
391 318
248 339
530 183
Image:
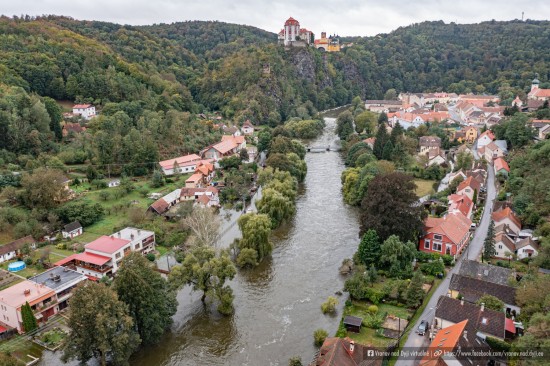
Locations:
416 342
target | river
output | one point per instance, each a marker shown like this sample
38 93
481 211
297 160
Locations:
277 304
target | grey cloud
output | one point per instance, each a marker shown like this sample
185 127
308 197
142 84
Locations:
344 17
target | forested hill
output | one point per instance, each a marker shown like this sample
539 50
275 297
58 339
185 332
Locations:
458 58
196 66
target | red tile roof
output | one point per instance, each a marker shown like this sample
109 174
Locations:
541 93
181 161
500 163
446 339
488 133
194 178
160 206
506 213
292 21
96 259
81 106
510 326
469 182
107 244
454 225
462 203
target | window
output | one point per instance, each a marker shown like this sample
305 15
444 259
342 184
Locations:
117 255
438 237
500 246
426 244
436 246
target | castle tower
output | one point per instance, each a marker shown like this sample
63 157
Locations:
535 83
291 31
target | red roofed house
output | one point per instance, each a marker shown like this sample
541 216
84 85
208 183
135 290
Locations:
344 352
537 93
507 216
230 145
485 139
461 203
501 167
493 151
182 164
446 235
86 111
468 187
194 181
102 256
74 128
370 141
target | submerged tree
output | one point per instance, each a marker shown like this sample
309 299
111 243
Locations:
207 271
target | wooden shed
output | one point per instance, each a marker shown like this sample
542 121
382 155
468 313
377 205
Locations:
353 323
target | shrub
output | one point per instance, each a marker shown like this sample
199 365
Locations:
373 309
319 336
341 332
373 321
329 306
62 246
295 361
433 268
348 303
28 261
448 260
497 344
151 257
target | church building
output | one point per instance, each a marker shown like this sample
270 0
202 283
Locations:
294 36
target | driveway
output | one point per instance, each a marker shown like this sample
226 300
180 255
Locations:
473 252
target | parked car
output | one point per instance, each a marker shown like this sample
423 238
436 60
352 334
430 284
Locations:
422 328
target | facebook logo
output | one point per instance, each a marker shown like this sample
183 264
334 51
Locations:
370 353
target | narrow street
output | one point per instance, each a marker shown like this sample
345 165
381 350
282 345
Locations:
473 252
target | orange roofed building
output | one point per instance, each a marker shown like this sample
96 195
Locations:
42 299
507 216
344 352
446 235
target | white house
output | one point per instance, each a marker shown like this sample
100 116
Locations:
72 230
485 139
248 128
113 183
507 216
229 146
86 111
526 248
102 256
11 250
182 164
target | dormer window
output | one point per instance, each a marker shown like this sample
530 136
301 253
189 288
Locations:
484 321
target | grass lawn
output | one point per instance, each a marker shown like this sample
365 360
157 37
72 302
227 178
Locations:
369 336
424 187
116 208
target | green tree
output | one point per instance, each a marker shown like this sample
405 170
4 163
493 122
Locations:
274 204
207 272
264 140
535 338
29 320
9 360
382 118
44 188
100 327
391 94
56 116
464 160
368 252
489 250
396 257
150 300
387 152
344 125
157 180
366 122
491 302
329 306
415 293
319 337
381 140
255 231
293 361
390 207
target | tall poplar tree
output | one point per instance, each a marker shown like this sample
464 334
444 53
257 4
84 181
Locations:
489 243
29 320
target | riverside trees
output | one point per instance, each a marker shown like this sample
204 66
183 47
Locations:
100 326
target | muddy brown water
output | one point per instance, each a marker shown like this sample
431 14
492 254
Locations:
277 305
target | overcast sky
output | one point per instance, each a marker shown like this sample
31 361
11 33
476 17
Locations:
343 17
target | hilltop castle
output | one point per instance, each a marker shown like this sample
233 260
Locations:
294 36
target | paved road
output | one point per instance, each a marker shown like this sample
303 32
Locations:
473 252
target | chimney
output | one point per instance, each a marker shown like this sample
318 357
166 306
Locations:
462 301
482 306
118 234
132 236
465 333
351 347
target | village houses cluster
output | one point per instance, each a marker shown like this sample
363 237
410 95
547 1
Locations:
48 292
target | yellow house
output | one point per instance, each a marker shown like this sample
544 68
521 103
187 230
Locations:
468 134
330 44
